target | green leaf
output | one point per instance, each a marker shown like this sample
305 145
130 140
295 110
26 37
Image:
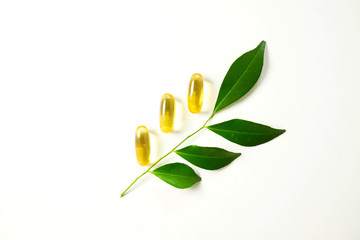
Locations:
244 132
241 77
178 175
210 158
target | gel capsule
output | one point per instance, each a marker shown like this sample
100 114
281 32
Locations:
167 113
195 94
142 145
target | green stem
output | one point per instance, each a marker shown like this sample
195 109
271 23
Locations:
172 150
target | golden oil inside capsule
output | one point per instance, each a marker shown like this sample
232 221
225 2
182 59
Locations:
167 113
142 145
196 92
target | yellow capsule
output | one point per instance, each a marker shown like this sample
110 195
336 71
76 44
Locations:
196 92
142 145
167 113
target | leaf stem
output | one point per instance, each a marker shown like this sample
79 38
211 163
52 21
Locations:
172 150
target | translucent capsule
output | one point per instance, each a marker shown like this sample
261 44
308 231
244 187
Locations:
196 92
142 145
167 113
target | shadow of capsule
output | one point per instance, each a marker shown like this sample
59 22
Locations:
154 144
180 117
208 97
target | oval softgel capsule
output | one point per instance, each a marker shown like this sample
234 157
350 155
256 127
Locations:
196 92
142 145
167 113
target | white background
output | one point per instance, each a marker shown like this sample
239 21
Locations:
78 77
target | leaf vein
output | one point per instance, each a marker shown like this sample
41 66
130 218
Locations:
236 81
245 133
202 156
174 175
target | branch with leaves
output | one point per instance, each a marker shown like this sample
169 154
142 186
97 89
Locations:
241 77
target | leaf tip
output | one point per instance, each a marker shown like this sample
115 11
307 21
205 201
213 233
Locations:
280 132
262 45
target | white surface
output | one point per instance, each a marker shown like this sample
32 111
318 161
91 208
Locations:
78 77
